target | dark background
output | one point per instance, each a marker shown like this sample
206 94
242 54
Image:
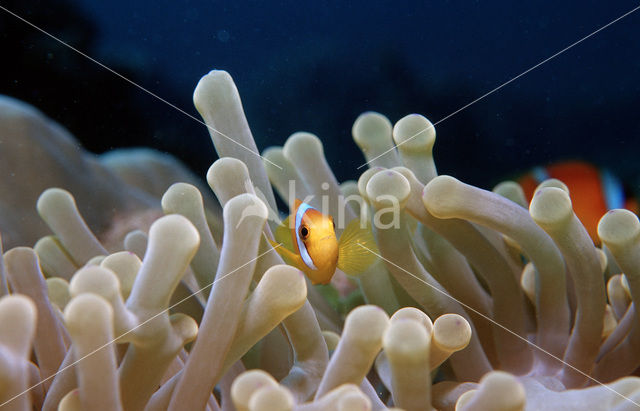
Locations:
314 66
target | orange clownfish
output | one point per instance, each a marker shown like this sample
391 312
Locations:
593 192
311 245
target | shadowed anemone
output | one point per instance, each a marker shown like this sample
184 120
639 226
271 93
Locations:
477 301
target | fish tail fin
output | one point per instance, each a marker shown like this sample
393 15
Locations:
357 249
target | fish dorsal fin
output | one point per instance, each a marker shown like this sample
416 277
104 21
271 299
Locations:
283 234
357 248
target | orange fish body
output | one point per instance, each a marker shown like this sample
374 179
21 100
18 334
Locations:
307 240
593 192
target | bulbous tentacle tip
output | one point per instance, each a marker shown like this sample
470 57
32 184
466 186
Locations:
17 323
246 384
271 398
550 207
438 194
84 310
364 180
213 86
175 226
301 144
244 208
53 196
388 188
451 331
184 326
371 128
619 227
498 390
97 280
178 195
406 341
414 133
412 313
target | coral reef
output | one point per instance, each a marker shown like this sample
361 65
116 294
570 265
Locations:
475 302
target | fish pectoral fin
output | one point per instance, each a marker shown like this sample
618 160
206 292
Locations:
357 249
287 255
282 234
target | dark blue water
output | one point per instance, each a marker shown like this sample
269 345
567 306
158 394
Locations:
314 66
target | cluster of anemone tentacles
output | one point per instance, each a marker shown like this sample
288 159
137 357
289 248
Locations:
198 314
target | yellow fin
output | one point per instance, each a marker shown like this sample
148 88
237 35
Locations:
283 235
357 248
287 255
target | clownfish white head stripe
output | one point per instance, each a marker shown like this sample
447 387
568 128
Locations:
304 253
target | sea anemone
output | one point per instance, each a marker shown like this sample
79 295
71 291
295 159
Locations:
474 303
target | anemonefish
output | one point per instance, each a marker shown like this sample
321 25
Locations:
593 192
311 245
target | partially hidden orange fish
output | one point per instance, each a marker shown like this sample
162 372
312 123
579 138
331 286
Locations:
309 243
593 192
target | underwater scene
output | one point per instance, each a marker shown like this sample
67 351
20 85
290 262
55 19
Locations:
301 206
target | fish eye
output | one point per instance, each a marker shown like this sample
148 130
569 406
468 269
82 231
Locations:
304 232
